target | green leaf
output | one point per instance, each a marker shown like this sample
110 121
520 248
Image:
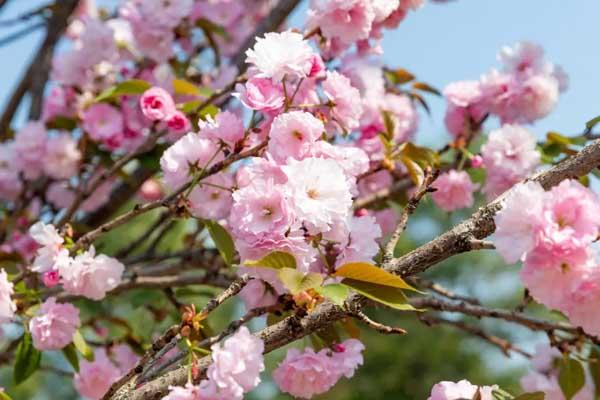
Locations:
399 76
389 124
555 137
416 173
424 87
210 109
189 106
571 377
81 346
365 272
595 368
531 396
274 260
421 155
71 355
222 240
390 296
592 122
130 87
296 282
27 359
181 86
336 292
5 396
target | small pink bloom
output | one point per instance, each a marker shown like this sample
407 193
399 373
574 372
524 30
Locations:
454 191
51 278
157 104
62 157
459 391
178 123
54 325
318 67
281 54
151 190
91 276
237 363
347 108
226 126
124 357
7 306
348 356
258 294
95 377
261 94
476 161
347 21
292 135
306 374
211 199
104 124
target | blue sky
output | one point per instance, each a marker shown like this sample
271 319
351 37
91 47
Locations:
443 43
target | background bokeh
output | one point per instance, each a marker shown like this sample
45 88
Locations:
440 43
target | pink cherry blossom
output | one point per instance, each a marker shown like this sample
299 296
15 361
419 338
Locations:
281 54
54 325
62 157
257 293
104 124
292 135
319 190
237 363
345 20
348 356
509 156
361 244
10 182
306 374
187 392
30 149
178 123
91 276
59 102
582 303
345 98
460 390
188 155
157 104
51 245
226 127
7 306
151 190
211 198
465 106
51 278
260 94
95 377
454 191
124 357
515 224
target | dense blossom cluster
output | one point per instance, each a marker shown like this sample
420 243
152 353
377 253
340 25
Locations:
553 235
327 125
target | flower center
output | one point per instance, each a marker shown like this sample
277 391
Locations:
312 193
298 135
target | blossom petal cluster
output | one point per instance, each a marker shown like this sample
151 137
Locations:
304 374
54 325
553 237
526 89
460 390
86 274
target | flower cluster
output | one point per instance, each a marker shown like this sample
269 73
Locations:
552 235
54 325
95 377
85 274
309 373
464 389
235 370
524 90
